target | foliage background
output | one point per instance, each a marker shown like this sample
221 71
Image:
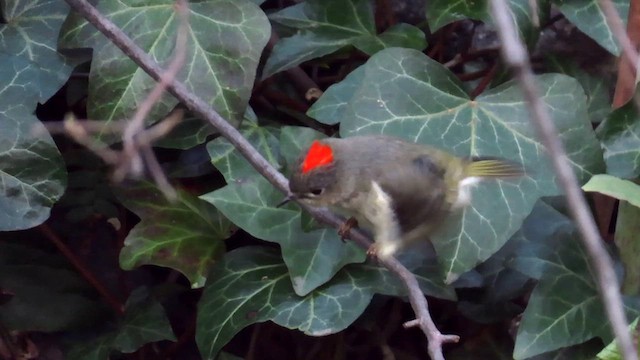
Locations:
90 269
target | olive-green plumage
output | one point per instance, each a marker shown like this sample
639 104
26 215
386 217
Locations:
398 189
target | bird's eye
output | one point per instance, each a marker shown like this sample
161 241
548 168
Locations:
316 192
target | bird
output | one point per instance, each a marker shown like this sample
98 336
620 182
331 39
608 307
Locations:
399 190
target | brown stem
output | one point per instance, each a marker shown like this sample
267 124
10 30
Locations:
626 84
486 80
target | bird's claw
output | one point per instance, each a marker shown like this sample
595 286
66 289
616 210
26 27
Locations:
372 251
346 227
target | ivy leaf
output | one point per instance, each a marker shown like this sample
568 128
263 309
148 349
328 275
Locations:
28 31
333 105
232 164
612 351
326 26
626 239
226 39
144 321
596 88
620 137
312 257
565 307
188 133
443 12
535 240
251 285
584 351
614 187
294 139
502 279
587 16
186 235
32 173
40 288
404 93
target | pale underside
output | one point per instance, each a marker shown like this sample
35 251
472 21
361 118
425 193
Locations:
377 215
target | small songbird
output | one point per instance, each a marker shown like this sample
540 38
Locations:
401 191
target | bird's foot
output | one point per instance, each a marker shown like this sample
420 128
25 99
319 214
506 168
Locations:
346 227
372 251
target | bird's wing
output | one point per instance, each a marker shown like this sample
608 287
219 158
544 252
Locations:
417 188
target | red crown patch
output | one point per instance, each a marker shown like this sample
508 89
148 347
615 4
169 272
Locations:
319 155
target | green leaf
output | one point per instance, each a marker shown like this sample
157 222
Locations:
612 352
144 321
32 173
584 351
626 239
614 187
587 16
507 274
333 105
31 170
29 30
402 92
565 307
225 41
620 137
312 258
294 139
251 285
596 88
190 132
400 35
186 235
88 190
41 288
232 164
443 12
535 241
326 26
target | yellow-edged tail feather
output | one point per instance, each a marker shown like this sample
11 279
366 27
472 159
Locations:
494 168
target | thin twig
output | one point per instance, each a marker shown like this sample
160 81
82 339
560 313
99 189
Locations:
89 126
198 106
486 80
80 135
617 27
515 55
627 71
132 162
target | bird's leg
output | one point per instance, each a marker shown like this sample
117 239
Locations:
346 226
372 251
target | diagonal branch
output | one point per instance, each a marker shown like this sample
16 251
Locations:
197 105
515 55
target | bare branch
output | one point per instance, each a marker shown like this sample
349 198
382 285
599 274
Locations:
627 66
515 55
197 105
80 135
617 27
131 161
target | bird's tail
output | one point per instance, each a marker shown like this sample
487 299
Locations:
486 167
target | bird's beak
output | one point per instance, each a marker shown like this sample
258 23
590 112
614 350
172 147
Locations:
286 200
